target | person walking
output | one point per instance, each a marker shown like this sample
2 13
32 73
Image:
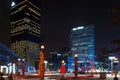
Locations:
63 72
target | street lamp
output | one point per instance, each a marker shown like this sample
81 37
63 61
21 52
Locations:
18 64
42 47
23 67
111 60
63 62
41 63
115 68
76 64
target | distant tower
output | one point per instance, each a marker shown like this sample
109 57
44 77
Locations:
82 42
25 30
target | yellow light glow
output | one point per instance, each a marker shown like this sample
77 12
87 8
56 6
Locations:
63 61
42 46
76 55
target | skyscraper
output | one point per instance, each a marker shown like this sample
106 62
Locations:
82 42
25 30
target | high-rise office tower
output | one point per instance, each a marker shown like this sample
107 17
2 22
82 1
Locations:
82 42
25 30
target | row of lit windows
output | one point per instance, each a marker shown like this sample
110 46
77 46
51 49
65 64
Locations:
82 36
33 5
87 49
35 17
80 44
33 34
17 33
27 2
23 27
19 9
35 23
23 32
19 28
27 21
33 29
32 15
18 21
85 39
33 10
27 14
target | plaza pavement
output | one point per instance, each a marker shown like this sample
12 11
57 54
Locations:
68 76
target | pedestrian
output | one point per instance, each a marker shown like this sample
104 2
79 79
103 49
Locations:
63 72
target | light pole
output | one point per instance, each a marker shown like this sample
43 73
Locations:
111 62
23 67
41 63
18 67
76 65
115 68
63 62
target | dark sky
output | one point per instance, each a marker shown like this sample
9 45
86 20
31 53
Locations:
59 16
4 22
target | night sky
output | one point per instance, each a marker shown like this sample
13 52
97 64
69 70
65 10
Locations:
59 16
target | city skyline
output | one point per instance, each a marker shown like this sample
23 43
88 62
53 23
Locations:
58 17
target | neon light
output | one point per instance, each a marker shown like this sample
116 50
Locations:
78 28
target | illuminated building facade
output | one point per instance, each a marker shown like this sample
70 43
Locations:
82 42
25 30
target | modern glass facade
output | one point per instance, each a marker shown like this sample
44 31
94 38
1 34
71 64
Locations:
25 30
82 42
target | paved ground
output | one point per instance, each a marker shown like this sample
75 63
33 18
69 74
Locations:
67 77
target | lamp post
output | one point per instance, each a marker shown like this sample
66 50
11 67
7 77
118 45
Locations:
41 63
111 62
115 68
63 62
23 67
76 64
18 64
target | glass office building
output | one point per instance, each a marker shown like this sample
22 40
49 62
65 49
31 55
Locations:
82 42
25 30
